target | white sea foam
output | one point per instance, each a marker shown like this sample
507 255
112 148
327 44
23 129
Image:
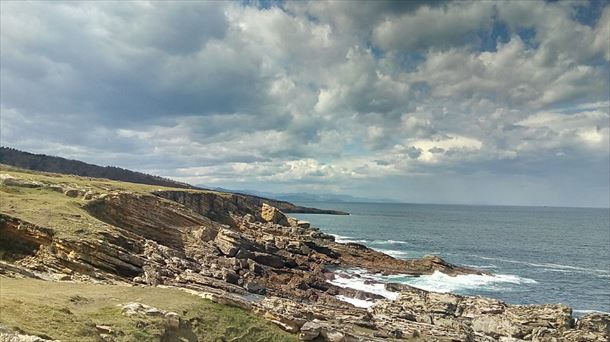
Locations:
361 303
440 282
347 239
359 279
482 266
389 242
363 282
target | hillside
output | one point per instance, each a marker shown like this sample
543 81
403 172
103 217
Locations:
90 312
41 162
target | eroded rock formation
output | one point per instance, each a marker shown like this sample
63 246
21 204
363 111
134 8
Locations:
252 255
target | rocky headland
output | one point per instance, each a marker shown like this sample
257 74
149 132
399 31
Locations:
245 252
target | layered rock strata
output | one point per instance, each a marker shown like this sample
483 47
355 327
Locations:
254 256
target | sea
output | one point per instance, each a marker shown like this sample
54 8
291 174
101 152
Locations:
535 255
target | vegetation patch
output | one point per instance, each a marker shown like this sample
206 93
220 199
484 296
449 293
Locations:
81 312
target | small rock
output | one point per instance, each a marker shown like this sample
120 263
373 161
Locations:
107 338
269 259
64 277
104 329
134 308
9 180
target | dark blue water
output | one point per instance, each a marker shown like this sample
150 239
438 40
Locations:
538 254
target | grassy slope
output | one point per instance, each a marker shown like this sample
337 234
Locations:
51 209
70 312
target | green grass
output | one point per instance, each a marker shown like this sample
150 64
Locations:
97 184
65 215
70 312
51 209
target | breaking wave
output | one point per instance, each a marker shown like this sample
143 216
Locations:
347 239
359 279
440 282
361 303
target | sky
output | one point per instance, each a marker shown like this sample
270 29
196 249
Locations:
483 102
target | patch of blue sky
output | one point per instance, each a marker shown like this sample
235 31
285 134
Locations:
588 12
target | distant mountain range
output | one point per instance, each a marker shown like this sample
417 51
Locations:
305 197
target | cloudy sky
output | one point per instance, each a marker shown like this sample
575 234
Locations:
442 102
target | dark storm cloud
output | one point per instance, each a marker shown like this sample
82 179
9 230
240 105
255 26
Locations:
319 95
124 62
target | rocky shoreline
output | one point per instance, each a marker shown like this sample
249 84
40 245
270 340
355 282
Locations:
241 252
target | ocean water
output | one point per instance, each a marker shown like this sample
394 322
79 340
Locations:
536 254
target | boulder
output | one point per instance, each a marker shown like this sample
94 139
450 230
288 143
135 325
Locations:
172 321
228 242
206 233
290 324
476 316
297 247
271 260
310 330
72 192
333 335
303 224
89 195
8 180
9 335
274 215
253 287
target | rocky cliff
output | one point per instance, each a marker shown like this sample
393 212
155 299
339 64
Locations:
247 253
